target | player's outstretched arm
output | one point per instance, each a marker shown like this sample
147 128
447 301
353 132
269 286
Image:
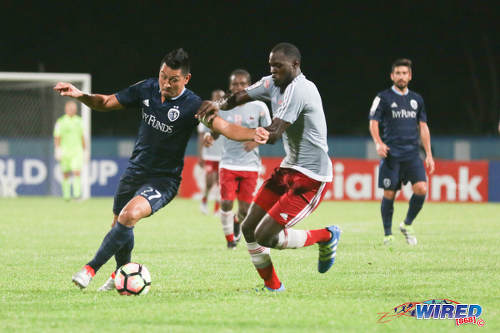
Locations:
236 132
380 146
94 101
425 136
233 100
211 107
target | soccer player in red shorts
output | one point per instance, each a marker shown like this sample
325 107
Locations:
297 187
240 162
209 155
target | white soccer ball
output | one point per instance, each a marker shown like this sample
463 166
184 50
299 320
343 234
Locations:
133 279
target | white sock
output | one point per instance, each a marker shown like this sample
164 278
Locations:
260 255
291 239
227 220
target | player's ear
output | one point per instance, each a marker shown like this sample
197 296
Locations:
187 77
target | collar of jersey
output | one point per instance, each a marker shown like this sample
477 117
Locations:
400 94
176 97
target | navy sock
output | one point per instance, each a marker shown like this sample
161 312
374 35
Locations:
117 237
124 255
416 203
387 208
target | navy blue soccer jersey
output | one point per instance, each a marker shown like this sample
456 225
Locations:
399 116
164 130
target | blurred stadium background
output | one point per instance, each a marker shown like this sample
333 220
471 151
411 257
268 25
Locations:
347 51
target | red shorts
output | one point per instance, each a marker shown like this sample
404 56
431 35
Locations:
240 184
211 166
288 196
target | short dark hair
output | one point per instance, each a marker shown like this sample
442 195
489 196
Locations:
241 72
401 62
176 59
288 50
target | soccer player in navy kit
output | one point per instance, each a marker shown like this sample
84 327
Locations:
153 175
400 113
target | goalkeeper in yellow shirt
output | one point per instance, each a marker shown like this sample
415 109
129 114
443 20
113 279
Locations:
69 145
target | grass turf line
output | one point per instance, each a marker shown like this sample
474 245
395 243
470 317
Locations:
198 285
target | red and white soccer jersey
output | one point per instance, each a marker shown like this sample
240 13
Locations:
239 168
210 155
298 186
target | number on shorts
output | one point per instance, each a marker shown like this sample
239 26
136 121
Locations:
153 196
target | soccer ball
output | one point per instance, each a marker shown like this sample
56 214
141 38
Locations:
133 279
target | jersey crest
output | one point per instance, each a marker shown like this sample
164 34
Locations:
173 114
414 104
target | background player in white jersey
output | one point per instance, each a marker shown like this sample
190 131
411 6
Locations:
240 163
209 155
297 187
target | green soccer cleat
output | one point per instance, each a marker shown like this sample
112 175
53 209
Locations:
407 230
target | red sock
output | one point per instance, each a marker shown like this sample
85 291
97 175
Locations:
230 238
204 200
90 270
268 274
216 206
315 236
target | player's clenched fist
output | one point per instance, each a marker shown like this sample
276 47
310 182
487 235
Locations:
67 89
207 108
261 135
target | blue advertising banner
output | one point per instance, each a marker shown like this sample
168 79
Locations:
494 181
42 176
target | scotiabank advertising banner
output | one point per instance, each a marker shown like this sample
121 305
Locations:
453 181
357 180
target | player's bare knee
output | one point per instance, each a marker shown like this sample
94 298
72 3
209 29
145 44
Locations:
130 216
390 195
420 188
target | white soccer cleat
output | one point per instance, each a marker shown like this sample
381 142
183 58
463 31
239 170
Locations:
407 230
82 277
108 285
204 208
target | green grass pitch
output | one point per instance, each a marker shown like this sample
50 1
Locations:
199 286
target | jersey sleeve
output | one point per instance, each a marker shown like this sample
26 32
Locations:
422 115
376 110
264 117
260 90
131 96
291 106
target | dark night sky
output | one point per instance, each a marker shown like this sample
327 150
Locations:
346 49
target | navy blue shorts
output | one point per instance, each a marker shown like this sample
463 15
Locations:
393 172
157 191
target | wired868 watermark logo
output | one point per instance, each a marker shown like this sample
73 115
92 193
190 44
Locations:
437 309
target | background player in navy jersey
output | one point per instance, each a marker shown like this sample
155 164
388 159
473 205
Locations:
400 114
153 175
